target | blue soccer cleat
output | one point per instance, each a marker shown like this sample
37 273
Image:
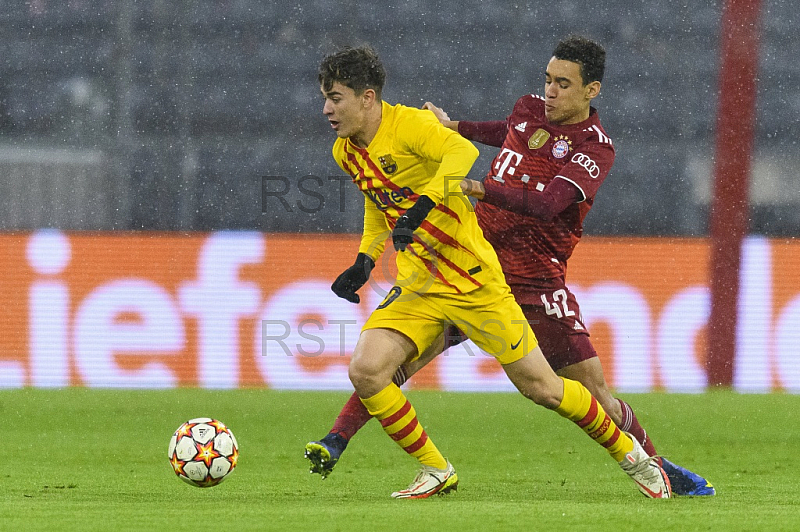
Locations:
324 454
686 483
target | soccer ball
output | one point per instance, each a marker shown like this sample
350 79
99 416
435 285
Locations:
203 451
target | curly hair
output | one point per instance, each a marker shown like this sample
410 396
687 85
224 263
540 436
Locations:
357 68
588 54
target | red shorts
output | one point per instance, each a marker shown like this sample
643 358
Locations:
555 317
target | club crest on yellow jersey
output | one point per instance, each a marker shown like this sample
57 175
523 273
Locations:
387 164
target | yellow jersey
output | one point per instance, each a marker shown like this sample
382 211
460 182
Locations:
412 154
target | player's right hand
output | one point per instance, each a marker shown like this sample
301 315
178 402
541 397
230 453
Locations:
353 278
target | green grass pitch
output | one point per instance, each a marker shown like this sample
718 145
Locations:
79 459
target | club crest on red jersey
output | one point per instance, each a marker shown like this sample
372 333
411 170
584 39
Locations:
387 164
561 146
538 139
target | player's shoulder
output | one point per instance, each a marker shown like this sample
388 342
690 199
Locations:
529 110
410 125
532 103
400 113
406 122
594 130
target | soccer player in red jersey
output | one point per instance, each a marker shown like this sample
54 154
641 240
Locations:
554 156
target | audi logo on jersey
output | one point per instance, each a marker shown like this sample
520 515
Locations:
587 163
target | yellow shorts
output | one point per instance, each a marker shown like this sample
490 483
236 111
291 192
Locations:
489 316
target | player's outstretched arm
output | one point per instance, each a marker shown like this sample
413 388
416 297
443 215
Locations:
545 205
492 133
441 116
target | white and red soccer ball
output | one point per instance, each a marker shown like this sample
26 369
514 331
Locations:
203 451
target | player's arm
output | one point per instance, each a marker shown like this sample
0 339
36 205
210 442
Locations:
373 238
455 155
545 205
492 133
576 181
373 242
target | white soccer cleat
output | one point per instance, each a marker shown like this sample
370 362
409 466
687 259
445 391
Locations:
645 471
430 481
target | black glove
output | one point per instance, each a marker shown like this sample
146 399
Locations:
353 278
403 233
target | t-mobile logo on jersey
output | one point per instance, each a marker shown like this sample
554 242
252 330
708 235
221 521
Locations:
507 162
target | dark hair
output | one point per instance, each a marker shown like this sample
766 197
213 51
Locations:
357 68
588 54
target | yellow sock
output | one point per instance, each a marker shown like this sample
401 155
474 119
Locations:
399 420
579 406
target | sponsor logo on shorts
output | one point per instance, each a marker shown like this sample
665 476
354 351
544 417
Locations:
514 346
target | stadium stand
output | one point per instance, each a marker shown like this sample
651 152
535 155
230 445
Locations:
185 106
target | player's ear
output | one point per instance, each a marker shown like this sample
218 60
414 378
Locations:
592 89
368 97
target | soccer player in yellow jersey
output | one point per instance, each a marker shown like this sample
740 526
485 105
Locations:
409 168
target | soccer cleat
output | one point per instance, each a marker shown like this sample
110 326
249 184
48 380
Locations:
645 471
430 481
324 454
684 482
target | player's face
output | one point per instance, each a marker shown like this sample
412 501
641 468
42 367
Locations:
345 110
567 99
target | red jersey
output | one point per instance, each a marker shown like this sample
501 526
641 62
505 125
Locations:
534 153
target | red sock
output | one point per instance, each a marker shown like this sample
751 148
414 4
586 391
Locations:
631 425
353 416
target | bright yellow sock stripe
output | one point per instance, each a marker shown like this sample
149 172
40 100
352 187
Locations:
576 401
579 406
621 447
384 403
399 420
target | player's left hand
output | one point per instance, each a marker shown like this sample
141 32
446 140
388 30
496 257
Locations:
403 232
353 278
473 188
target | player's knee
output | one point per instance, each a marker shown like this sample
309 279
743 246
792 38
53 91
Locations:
359 376
545 399
366 380
535 380
541 394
